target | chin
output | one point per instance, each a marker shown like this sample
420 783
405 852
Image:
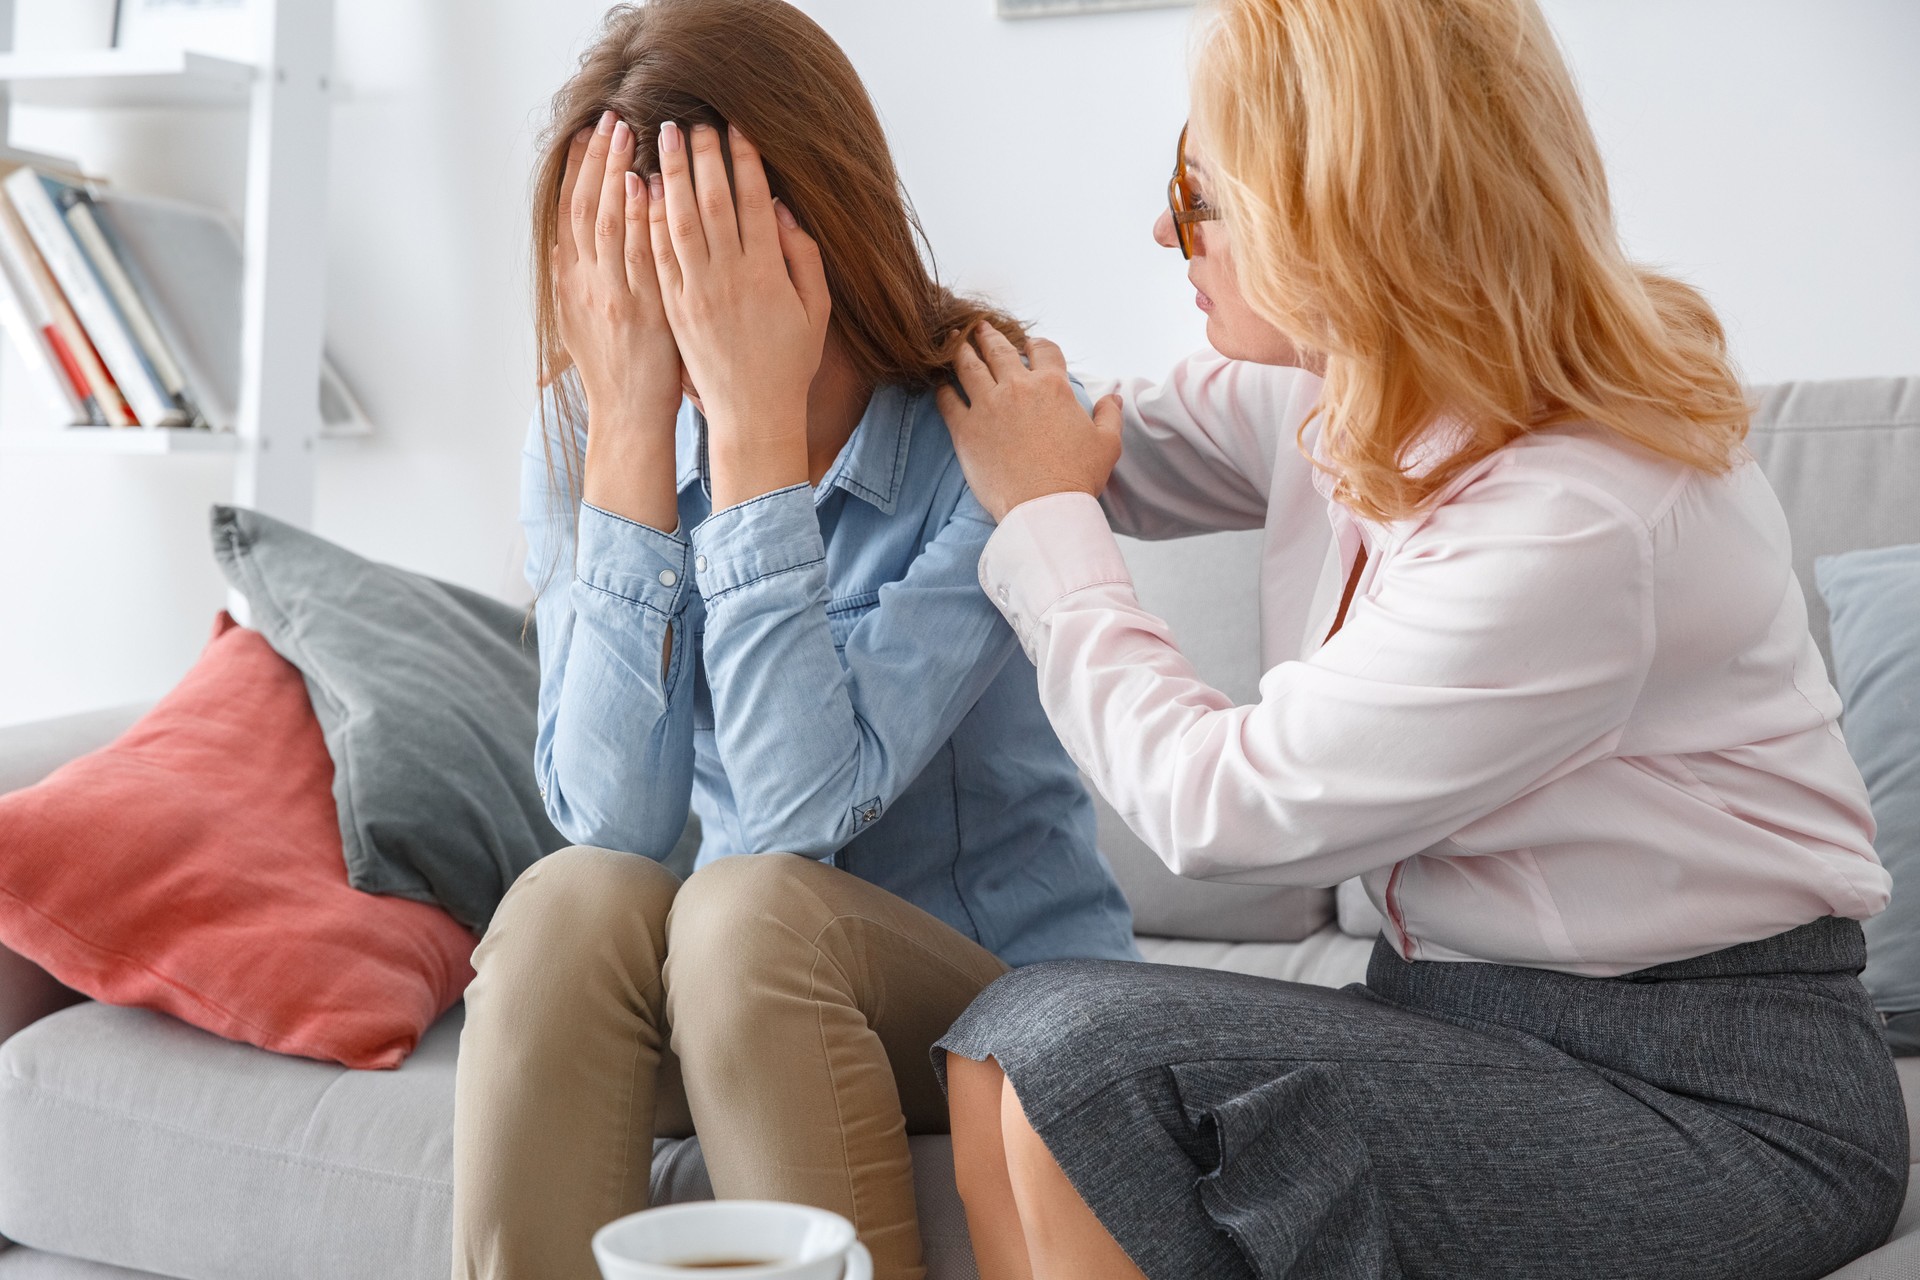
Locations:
1222 338
1266 345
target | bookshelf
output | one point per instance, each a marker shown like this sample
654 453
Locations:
286 94
99 78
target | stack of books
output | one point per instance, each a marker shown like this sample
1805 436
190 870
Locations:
127 310
82 315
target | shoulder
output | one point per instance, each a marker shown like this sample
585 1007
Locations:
1579 474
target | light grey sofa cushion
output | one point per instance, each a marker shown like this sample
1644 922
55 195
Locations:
131 1139
32 1264
1208 590
136 1142
29 752
426 692
1844 456
1874 596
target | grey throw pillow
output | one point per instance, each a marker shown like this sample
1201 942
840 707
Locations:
1874 599
426 693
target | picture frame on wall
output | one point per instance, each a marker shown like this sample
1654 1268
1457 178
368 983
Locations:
49 26
1064 8
220 27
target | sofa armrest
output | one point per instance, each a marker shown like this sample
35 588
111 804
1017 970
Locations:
28 753
28 993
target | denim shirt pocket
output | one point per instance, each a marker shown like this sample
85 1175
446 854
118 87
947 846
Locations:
844 614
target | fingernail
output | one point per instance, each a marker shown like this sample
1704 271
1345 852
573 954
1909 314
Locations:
584 134
670 137
656 188
621 135
633 185
785 214
606 121
733 131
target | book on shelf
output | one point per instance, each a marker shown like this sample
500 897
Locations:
186 262
63 359
100 290
43 202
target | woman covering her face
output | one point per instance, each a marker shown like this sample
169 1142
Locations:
1537 671
757 568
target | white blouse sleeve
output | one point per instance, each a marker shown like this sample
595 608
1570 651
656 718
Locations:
1198 451
1502 645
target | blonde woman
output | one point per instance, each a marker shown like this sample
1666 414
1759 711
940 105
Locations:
1552 696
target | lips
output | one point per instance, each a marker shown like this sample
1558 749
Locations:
1201 300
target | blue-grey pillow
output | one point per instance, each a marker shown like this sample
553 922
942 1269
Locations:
427 695
1874 597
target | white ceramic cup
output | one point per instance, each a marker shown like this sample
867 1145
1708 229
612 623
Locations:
796 1241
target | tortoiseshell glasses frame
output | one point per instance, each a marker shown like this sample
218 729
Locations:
1186 207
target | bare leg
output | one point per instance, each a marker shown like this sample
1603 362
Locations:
974 1092
1065 1241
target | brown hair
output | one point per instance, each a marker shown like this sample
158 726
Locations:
1413 190
766 67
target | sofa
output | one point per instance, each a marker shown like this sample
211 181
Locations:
133 1146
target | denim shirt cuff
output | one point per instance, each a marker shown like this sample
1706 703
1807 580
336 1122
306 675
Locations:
632 561
773 534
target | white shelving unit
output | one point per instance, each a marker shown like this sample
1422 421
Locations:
283 309
94 78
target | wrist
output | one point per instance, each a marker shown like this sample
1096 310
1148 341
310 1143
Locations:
752 456
631 474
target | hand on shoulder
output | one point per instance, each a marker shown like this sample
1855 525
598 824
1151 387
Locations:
1019 430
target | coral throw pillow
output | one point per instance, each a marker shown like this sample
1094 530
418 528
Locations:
194 866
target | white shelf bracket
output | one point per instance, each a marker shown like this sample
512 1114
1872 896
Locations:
283 325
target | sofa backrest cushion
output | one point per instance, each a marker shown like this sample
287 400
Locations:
1844 456
1875 598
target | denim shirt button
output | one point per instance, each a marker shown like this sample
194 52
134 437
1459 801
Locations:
668 577
700 564
1003 595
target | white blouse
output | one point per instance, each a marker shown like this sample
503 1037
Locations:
1574 718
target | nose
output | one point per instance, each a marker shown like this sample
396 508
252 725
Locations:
1163 233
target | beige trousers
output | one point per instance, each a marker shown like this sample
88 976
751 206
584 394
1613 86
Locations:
779 1007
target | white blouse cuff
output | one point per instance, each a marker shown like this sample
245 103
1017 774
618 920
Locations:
1044 551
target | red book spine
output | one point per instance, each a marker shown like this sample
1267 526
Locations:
68 365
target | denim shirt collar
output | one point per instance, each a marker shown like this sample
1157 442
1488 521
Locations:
871 464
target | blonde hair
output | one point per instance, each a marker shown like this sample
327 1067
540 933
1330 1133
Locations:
1413 190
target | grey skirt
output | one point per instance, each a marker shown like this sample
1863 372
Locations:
1731 1117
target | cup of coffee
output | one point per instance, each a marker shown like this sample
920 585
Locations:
731 1239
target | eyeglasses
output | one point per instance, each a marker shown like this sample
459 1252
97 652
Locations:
1186 207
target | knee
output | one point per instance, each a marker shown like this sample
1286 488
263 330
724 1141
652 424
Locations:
744 931
736 911
575 910
1046 1010
973 1104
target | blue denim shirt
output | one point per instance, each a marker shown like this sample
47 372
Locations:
838 687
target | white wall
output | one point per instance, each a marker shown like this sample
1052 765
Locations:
1766 149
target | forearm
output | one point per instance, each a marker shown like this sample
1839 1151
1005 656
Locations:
615 746
750 461
817 738
615 753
